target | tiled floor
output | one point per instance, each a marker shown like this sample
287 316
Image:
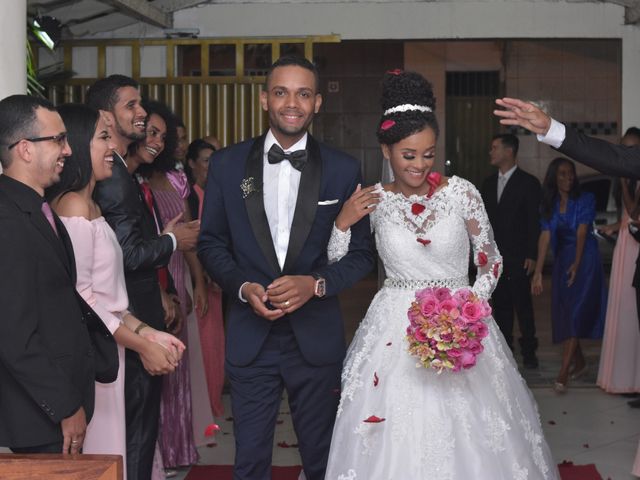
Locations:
584 426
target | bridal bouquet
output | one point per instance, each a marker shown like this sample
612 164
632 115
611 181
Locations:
446 329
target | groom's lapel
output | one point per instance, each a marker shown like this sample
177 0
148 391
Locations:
254 202
306 204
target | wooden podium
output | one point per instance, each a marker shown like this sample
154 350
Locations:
60 467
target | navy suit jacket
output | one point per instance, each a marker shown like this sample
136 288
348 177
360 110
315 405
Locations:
235 246
604 156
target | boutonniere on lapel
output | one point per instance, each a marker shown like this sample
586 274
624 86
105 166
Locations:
248 186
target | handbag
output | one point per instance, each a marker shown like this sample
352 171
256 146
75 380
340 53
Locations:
105 349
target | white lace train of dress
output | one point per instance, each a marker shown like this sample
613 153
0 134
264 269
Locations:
476 424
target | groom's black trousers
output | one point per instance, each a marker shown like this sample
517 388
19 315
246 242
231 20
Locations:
256 394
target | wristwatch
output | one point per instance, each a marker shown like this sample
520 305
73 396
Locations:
320 288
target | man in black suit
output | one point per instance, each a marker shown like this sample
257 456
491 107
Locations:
512 199
46 359
144 250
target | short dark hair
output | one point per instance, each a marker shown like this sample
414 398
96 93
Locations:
295 61
632 132
165 161
411 90
510 141
193 152
18 120
103 94
80 121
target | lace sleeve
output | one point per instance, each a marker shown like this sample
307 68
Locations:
338 244
485 251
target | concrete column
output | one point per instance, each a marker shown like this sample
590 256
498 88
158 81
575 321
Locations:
13 54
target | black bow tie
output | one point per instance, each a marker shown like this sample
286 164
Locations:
298 159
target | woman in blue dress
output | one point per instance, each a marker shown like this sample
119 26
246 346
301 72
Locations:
578 292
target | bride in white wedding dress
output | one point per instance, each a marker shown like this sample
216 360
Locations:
397 420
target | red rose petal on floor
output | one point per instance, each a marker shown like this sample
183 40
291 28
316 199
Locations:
375 379
374 419
294 445
211 430
564 413
551 422
279 422
229 419
211 445
417 208
423 241
284 445
585 445
389 344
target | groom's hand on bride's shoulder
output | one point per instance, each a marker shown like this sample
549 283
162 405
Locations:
256 296
291 292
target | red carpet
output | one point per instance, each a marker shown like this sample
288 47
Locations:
223 472
568 471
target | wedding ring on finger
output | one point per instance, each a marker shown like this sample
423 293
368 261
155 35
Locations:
286 304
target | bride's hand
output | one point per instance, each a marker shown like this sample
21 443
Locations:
362 202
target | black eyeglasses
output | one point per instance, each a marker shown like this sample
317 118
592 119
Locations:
60 139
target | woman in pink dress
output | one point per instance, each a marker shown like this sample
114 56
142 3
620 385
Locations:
100 273
211 325
619 370
184 411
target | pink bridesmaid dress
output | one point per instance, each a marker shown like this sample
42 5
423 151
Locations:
211 328
100 281
619 370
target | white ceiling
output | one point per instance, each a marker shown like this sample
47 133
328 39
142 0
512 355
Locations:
82 18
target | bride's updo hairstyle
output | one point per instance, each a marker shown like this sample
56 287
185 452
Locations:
408 106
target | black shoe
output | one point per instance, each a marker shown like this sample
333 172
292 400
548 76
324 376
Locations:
634 403
530 361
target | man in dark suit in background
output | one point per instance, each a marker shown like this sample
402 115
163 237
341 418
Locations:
46 359
144 251
512 199
270 206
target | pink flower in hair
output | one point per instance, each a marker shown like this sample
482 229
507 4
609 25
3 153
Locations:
397 71
387 124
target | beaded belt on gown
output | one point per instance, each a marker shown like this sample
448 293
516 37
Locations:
458 282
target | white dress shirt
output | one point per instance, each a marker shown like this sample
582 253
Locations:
555 136
280 183
503 178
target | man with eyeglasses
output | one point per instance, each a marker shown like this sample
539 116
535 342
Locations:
145 249
46 364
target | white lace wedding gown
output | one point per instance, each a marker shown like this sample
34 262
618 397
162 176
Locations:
476 424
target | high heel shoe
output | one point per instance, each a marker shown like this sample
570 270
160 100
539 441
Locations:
559 387
575 375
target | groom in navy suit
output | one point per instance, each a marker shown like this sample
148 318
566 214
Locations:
269 211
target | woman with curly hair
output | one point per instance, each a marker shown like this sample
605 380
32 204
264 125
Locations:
395 420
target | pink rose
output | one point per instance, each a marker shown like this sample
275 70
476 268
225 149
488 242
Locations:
425 292
463 295
472 311
419 336
454 352
467 359
429 305
480 329
442 294
475 347
451 307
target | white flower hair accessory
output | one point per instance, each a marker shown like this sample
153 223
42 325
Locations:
406 108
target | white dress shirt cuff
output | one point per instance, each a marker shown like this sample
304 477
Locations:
242 299
555 136
173 240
